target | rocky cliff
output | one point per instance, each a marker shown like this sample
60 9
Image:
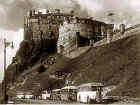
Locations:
115 64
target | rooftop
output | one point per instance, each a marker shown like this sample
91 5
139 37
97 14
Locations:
70 87
91 84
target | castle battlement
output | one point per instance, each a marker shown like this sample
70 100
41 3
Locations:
79 20
44 13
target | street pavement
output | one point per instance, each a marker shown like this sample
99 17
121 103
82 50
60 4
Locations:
31 101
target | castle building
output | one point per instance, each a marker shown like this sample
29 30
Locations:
69 31
80 32
39 25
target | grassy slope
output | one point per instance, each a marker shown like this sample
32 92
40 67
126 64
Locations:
114 64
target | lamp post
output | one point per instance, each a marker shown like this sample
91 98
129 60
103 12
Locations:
5 96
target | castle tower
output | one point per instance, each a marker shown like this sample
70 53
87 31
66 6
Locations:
45 25
122 28
91 42
103 30
75 33
109 32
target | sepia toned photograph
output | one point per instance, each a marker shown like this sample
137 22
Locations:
70 52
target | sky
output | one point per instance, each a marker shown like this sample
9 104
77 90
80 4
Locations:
12 16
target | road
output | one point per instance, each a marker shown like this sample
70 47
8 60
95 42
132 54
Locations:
31 101
118 100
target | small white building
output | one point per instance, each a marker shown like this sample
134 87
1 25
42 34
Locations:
20 95
24 95
45 95
28 95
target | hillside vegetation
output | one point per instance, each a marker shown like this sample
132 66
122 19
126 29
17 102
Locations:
114 64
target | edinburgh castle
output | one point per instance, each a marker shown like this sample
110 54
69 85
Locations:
69 31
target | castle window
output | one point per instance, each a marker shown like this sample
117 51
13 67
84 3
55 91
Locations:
79 21
96 28
41 22
57 17
62 38
99 27
37 27
48 21
83 21
61 48
53 17
54 22
49 27
49 17
61 17
77 38
52 35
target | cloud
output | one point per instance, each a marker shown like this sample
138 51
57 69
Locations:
126 11
14 14
10 36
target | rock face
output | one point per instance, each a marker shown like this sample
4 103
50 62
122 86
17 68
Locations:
94 65
29 53
36 61
114 64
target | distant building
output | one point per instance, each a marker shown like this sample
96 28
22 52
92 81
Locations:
45 95
20 95
28 95
24 95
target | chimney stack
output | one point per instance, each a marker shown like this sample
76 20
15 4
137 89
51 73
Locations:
122 28
30 13
33 12
109 32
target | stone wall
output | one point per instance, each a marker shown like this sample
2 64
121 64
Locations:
45 31
71 33
117 36
68 39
